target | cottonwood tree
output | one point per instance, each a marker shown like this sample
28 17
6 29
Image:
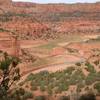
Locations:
9 74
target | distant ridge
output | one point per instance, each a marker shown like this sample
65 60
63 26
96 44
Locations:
32 21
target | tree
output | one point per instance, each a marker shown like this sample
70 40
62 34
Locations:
9 74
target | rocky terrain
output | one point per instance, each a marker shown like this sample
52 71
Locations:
55 42
45 21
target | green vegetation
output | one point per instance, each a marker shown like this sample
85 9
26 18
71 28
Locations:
58 82
27 95
21 94
9 73
64 98
40 98
77 77
41 62
48 46
91 78
55 82
90 67
97 86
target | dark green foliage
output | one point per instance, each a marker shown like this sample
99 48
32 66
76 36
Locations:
80 86
10 73
30 77
77 77
63 87
90 67
60 81
92 77
42 87
20 94
49 90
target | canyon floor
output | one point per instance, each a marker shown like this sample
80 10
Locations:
58 46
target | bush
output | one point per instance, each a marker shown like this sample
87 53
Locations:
21 91
77 77
33 85
63 87
42 88
78 64
27 95
64 98
33 88
21 83
91 78
90 96
40 98
30 77
49 91
90 67
97 86
69 70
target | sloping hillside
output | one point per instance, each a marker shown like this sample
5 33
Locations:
33 21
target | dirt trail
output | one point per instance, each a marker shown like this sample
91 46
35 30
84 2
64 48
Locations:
50 68
59 66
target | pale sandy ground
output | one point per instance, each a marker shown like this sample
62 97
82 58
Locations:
31 43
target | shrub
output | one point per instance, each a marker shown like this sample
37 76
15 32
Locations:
90 67
49 91
44 72
78 64
40 98
63 87
42 88
27 95
89 96
64 98
33 85
96 62
77 77
91 78
21 91
30 77
33 88
21 83
69 70
97 86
